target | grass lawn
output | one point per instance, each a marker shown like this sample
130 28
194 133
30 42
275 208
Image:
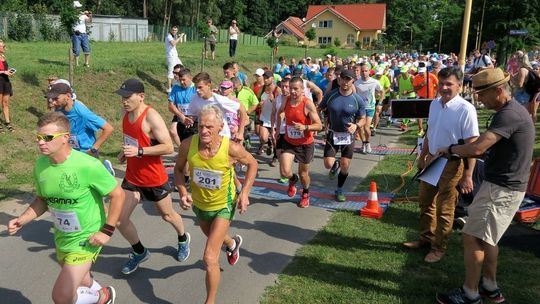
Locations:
111 64
361 260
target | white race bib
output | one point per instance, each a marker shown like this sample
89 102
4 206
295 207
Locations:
74 142
184 108
130 141
65 221
207 179
293 133
342 138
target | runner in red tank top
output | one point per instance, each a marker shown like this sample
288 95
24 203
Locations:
146 138
301 120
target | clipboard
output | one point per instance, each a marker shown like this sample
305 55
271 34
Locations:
432 173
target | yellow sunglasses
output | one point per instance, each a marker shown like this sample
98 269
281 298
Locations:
49 137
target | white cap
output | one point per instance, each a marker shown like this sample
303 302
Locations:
400 64
314 67
259 72
422 70
77 4
328 56
379 71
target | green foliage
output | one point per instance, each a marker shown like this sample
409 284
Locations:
69 16
202 29
271 42
337 42
358 44
46 25
20 27
310 34
331 51
288 40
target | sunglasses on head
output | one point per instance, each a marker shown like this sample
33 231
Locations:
49 137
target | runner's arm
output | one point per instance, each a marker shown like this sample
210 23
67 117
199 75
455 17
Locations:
160 132
243 120
316 124
106 132
238 153
315 89
181 163
36 209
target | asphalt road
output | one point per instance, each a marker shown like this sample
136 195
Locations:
272 231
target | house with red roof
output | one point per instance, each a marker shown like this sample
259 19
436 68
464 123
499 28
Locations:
347 22
291 26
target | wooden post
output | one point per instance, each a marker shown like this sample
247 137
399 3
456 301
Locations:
70 72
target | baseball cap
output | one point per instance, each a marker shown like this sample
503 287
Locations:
268 74
77 4
308 58
130 87
259 72
379 71
57 89
328 56
347 74
226 84
422 69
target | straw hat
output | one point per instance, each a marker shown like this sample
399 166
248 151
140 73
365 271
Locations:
489 78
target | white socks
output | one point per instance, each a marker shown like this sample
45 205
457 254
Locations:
86 295
95 285
489 284
471 294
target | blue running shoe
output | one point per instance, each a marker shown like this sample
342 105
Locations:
183 249
134 261
108 165
456 296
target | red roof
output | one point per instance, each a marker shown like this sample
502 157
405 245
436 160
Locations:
293 24
362 16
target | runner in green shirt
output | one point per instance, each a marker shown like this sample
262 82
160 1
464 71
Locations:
70 185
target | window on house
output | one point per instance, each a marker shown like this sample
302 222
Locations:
350 39
366 40
325 40
325 23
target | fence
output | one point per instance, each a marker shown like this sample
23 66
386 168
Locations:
115 28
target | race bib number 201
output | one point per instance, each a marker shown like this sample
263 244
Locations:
65 221
207 179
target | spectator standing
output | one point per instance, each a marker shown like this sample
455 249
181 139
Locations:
79 38
5 87
211 40
508 143
234 33
172 55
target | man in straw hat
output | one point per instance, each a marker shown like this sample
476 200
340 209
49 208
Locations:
508 146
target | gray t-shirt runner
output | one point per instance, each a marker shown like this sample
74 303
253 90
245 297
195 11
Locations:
508 161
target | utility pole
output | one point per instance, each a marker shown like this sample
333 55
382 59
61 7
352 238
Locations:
465 33
482 21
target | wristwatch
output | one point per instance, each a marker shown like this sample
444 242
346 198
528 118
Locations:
94 151
140 152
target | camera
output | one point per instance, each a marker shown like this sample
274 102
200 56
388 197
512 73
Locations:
12 70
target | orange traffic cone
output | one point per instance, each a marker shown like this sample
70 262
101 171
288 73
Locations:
372 208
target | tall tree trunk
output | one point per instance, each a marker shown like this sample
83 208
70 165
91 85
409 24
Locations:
144 9
164 20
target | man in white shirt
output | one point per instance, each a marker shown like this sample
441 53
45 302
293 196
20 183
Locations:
172 55
234 32
79 37
451 120
481 61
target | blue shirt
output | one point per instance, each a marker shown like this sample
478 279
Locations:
181 96
243 78
316 78
323 85
343 110
285 71
83 126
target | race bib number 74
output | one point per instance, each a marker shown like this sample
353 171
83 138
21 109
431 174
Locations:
65 221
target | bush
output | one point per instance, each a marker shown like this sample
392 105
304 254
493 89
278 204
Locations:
271 42
332 51
288 40
358 44
20 27
337 42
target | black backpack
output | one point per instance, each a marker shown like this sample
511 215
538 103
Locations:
532 86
